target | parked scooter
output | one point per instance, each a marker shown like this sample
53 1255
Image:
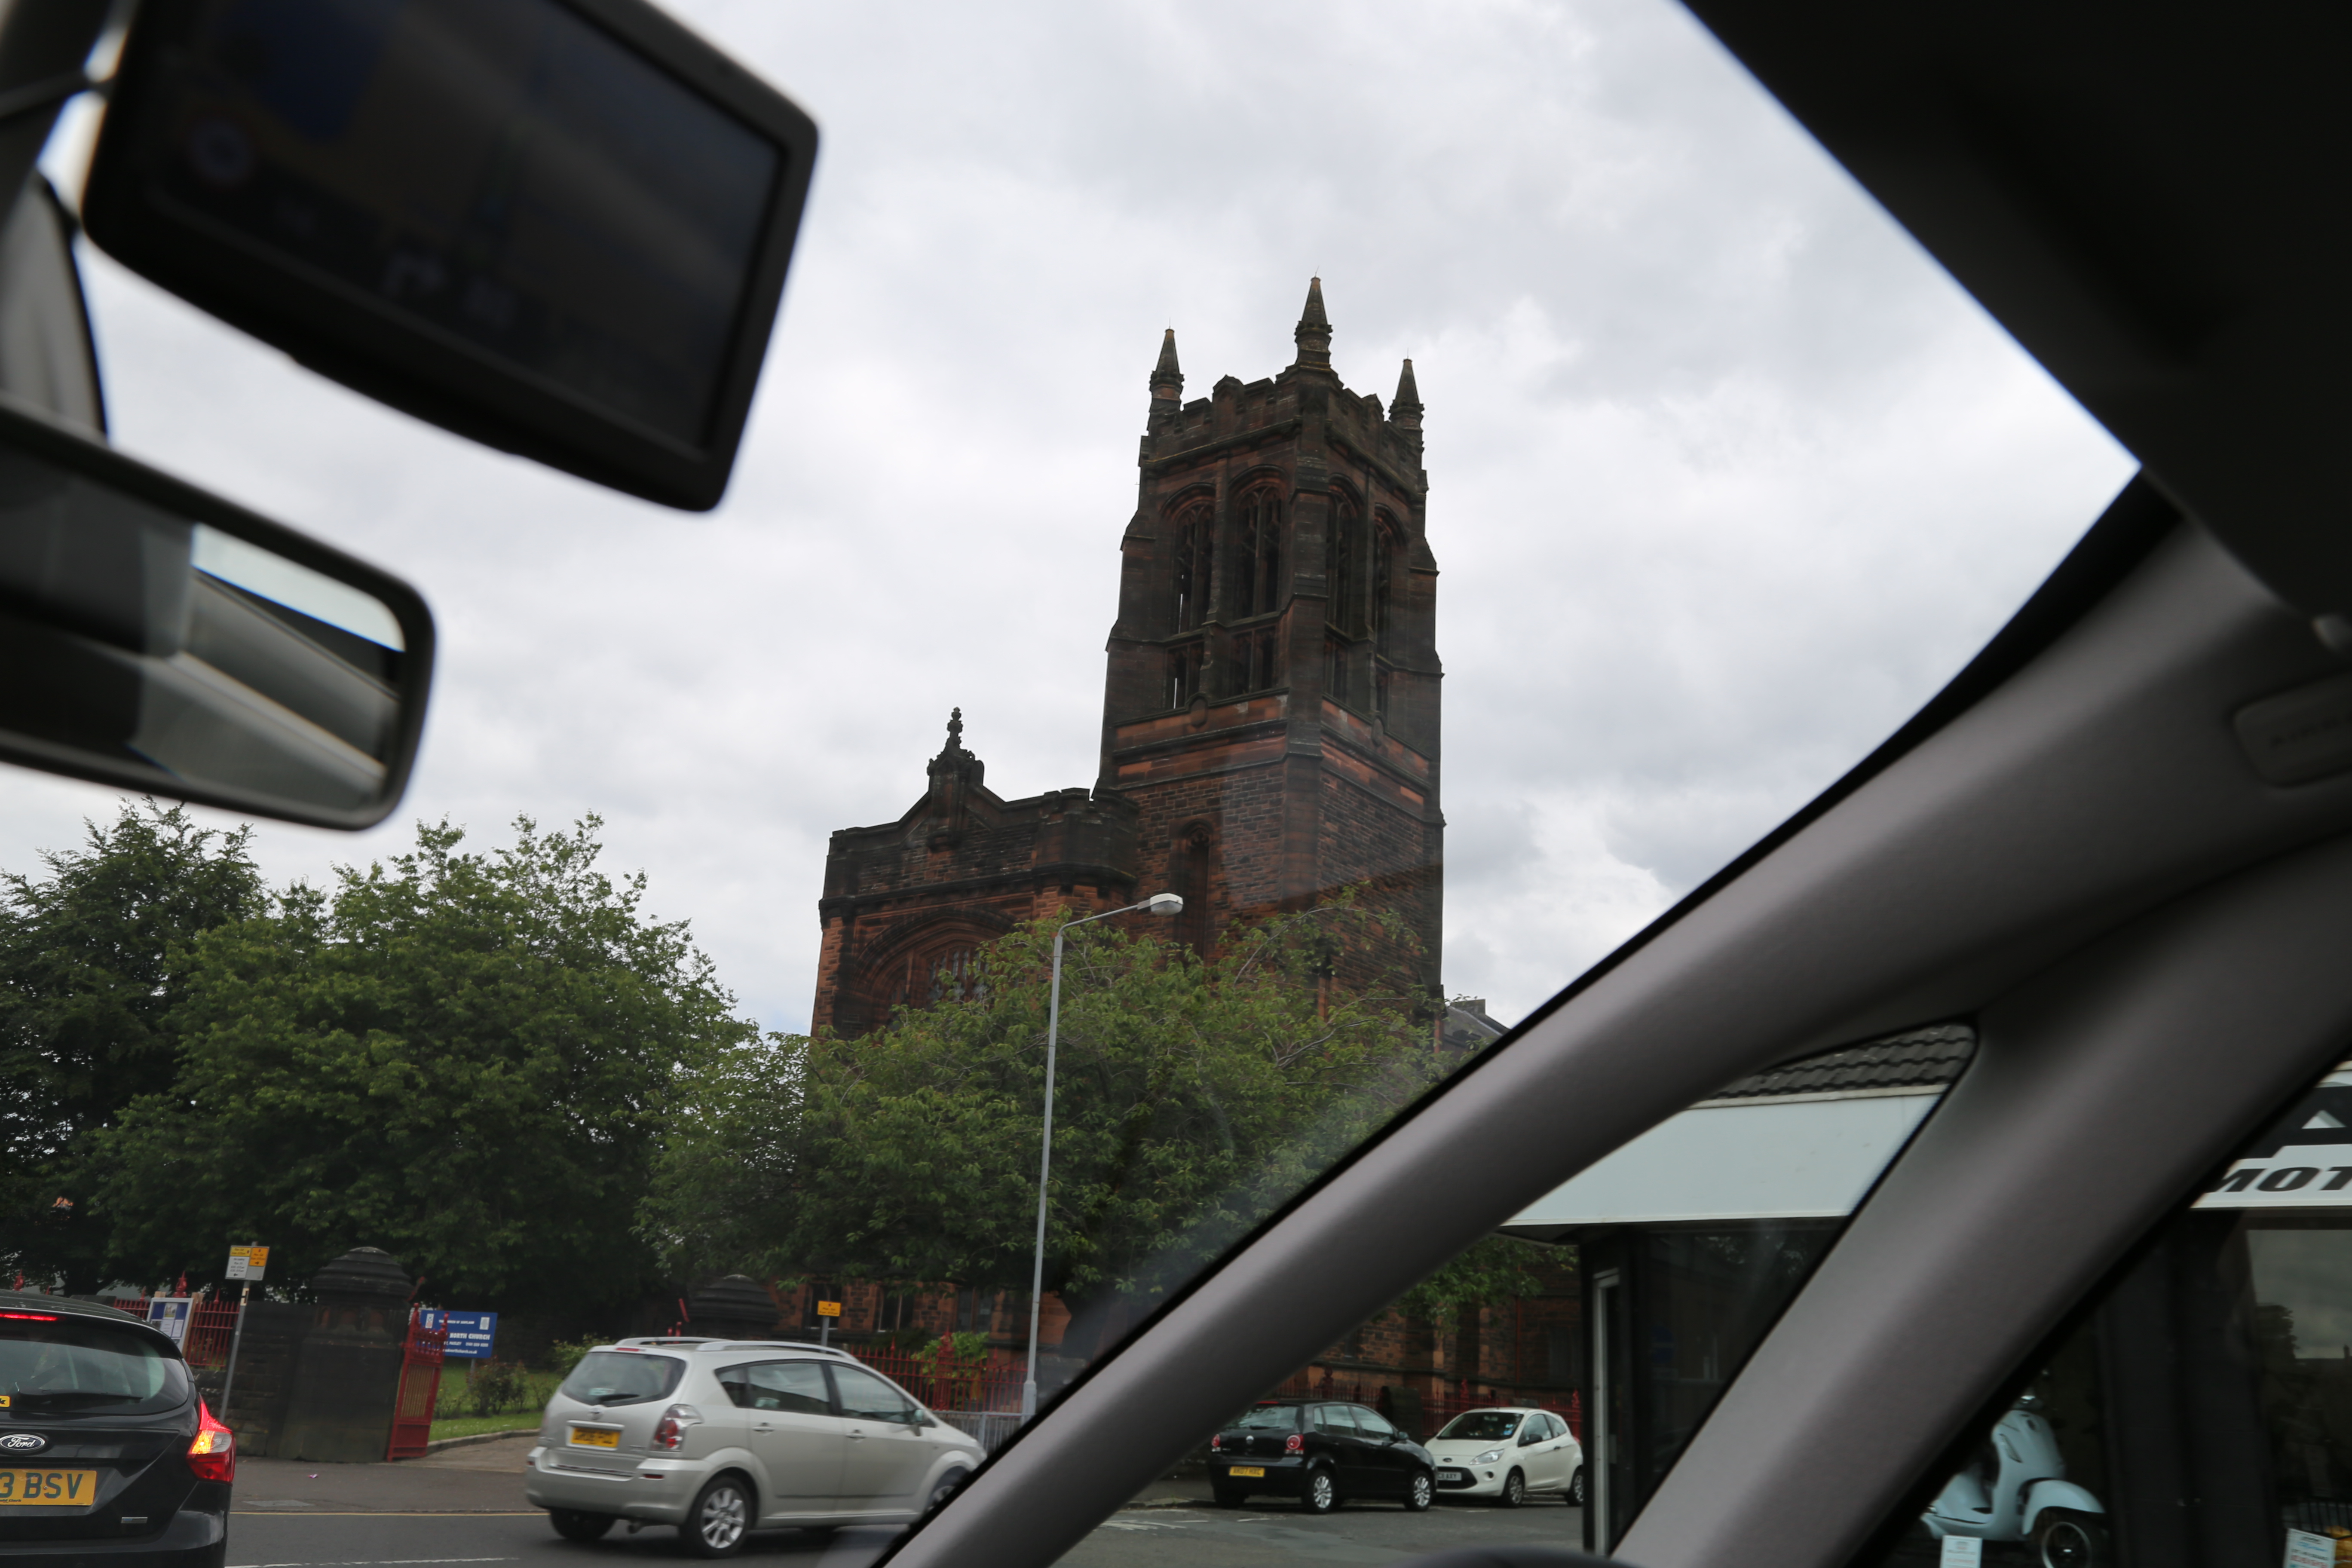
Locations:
2015 1489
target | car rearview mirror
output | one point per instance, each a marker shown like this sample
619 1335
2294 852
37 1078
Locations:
161 638
556 226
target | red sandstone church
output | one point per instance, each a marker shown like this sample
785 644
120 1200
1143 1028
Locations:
1269 735
1270 711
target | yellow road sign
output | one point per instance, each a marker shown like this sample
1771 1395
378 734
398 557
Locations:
248 1262
828 1309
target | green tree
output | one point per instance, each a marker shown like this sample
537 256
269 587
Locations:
463 1058
93 960
1190 1099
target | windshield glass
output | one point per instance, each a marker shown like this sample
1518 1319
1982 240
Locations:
72 1366
619 1377
1481 1427
1270 541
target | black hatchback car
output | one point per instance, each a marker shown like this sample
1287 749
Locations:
106 1451
1322 1454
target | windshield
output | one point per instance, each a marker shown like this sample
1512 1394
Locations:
1269 543
70 1366
619 1377
1481 1427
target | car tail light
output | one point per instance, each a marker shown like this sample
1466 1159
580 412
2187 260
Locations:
212 1453
1294 1444
1216 1442
671 1430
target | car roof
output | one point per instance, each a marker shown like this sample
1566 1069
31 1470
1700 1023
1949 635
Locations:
36 1302
711 1346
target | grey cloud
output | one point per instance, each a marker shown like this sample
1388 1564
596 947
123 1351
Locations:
1726 478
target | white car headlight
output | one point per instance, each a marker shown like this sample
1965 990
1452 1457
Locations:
1489 1457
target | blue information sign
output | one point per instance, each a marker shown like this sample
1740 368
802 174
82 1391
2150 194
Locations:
471 1334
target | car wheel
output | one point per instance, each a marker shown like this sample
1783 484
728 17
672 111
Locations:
2067 1541
1420 1492
574 1525
1514 1491
1227 1498
944 1490
1322 1493
721 1516
1576 1489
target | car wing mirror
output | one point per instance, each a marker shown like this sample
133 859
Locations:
161 638
558 227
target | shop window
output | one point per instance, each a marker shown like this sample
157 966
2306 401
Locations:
2200 1411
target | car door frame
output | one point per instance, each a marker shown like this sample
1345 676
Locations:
1386 1456
915 1461
779 1503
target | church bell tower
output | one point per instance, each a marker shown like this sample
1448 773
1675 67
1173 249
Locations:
1269 726
1271 704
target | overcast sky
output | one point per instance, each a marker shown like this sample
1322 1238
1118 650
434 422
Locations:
1725 478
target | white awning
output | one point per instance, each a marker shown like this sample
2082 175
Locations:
1796 1158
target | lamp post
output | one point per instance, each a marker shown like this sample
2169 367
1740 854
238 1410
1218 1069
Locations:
1159 904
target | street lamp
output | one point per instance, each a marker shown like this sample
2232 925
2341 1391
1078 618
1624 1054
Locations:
1158 904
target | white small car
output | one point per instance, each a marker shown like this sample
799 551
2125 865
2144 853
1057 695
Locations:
721 1438
1508 1454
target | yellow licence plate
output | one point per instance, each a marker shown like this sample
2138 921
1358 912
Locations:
1248 1470
589 1438
48 1488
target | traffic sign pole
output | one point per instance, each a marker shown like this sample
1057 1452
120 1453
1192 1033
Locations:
248 1264
229 1379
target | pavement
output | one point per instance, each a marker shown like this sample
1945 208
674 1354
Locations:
478 1477
463 1507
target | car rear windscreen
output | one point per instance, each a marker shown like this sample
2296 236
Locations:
621 1377
63 1365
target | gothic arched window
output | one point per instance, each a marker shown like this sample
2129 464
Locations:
1342 609
1188 877
1195 564
1384 551
1261 564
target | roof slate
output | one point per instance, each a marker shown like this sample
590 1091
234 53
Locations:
1915 1058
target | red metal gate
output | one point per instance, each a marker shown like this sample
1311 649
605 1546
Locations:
420 1388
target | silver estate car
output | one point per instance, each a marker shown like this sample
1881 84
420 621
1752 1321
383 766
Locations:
721 1438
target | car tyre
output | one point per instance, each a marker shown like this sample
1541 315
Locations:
1576 1489
719 1520
1321 1493
945 1489
1420 1492
574 1525
2068 1539
1514 1491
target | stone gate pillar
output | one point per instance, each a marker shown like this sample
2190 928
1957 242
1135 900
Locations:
347 1367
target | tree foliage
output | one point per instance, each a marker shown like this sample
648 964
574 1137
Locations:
94 959
1190 1099
463 1058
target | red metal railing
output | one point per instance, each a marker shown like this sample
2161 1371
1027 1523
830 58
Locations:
420 1388
211 1325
